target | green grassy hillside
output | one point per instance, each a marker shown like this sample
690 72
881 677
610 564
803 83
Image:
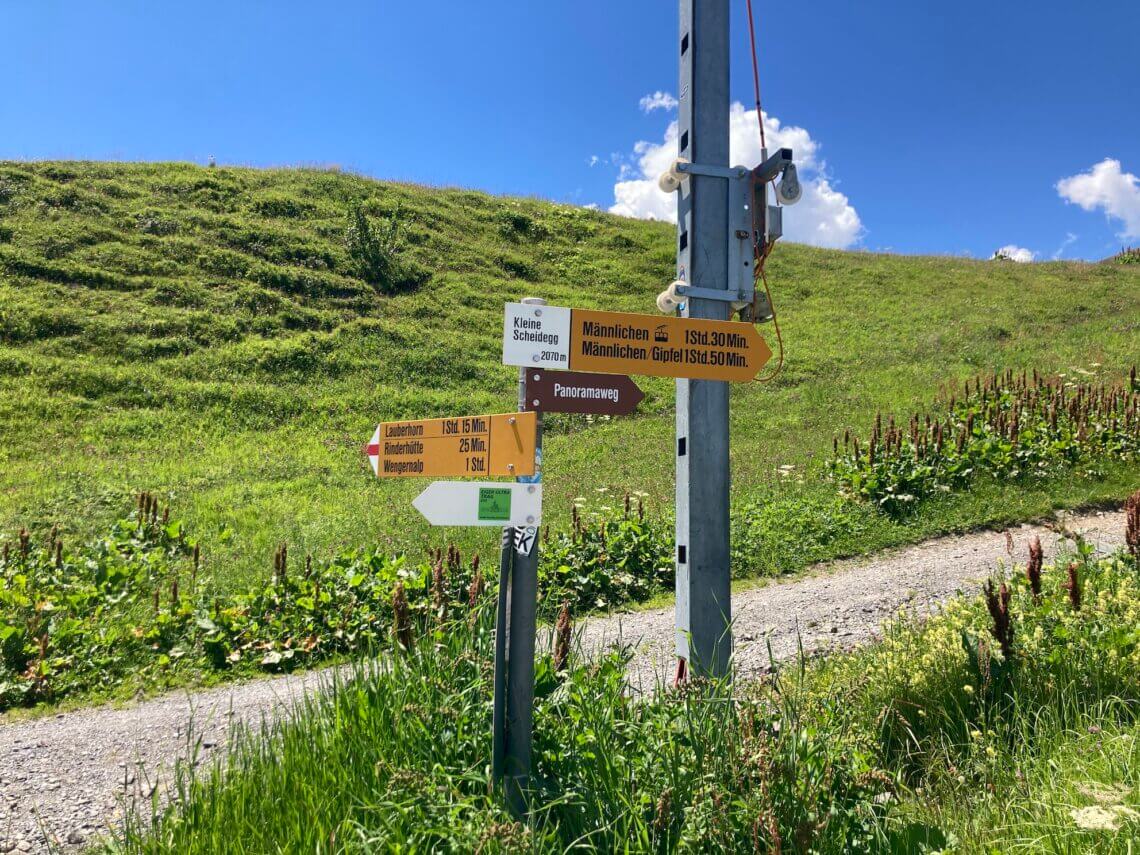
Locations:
205 333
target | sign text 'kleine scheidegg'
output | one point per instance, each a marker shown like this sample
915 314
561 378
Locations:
627 343
471 446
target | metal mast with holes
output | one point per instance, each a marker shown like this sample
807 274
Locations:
704 612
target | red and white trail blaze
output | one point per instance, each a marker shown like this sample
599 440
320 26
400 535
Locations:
373 450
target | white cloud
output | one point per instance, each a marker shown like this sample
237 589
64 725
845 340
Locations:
1015 253
658 101
824 216
1069 239
593 161
1108 187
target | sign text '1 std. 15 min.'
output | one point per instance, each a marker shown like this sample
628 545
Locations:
467 446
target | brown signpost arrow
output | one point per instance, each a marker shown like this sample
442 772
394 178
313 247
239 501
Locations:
576 392
627 343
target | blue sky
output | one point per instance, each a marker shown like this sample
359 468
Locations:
929 127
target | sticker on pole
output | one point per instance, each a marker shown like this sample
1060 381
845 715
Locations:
483 503
495 503
525 538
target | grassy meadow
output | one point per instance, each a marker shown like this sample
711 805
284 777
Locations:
204 333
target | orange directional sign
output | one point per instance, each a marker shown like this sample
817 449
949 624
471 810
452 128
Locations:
473 446
624 343
620 343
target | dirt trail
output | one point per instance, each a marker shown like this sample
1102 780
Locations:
66 778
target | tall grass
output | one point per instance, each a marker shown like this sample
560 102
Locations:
934 737
394 757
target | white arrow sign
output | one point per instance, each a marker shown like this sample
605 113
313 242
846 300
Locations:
489 503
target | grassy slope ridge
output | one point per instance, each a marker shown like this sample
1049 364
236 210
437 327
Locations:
202 332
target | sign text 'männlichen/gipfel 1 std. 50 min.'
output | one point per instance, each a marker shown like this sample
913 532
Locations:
627 343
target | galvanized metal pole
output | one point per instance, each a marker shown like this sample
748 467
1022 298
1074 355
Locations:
502 633
704 612
521 604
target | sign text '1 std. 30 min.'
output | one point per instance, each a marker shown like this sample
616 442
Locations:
627 343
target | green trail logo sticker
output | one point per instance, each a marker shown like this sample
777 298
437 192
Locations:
494 503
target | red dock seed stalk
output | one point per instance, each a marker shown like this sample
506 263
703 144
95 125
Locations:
438 599
1073 586
25 543
662 814
1033 567
562 634
1132 531
59 554
476 588
401 618
998 605
6 550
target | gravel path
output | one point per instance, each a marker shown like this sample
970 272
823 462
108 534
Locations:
66 778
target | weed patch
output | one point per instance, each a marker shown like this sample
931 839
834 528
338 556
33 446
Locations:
1008 426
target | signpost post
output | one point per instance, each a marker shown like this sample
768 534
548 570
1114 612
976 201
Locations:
514 701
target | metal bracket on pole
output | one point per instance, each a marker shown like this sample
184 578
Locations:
712 171
773 166
714 294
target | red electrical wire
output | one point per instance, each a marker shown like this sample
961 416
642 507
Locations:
762 257
755 74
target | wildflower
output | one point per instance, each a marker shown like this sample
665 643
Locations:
662 814
968 689
1098 818
475 591
1033 567
402 621
562 634
438 590
998 605
1132 531
1074 587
